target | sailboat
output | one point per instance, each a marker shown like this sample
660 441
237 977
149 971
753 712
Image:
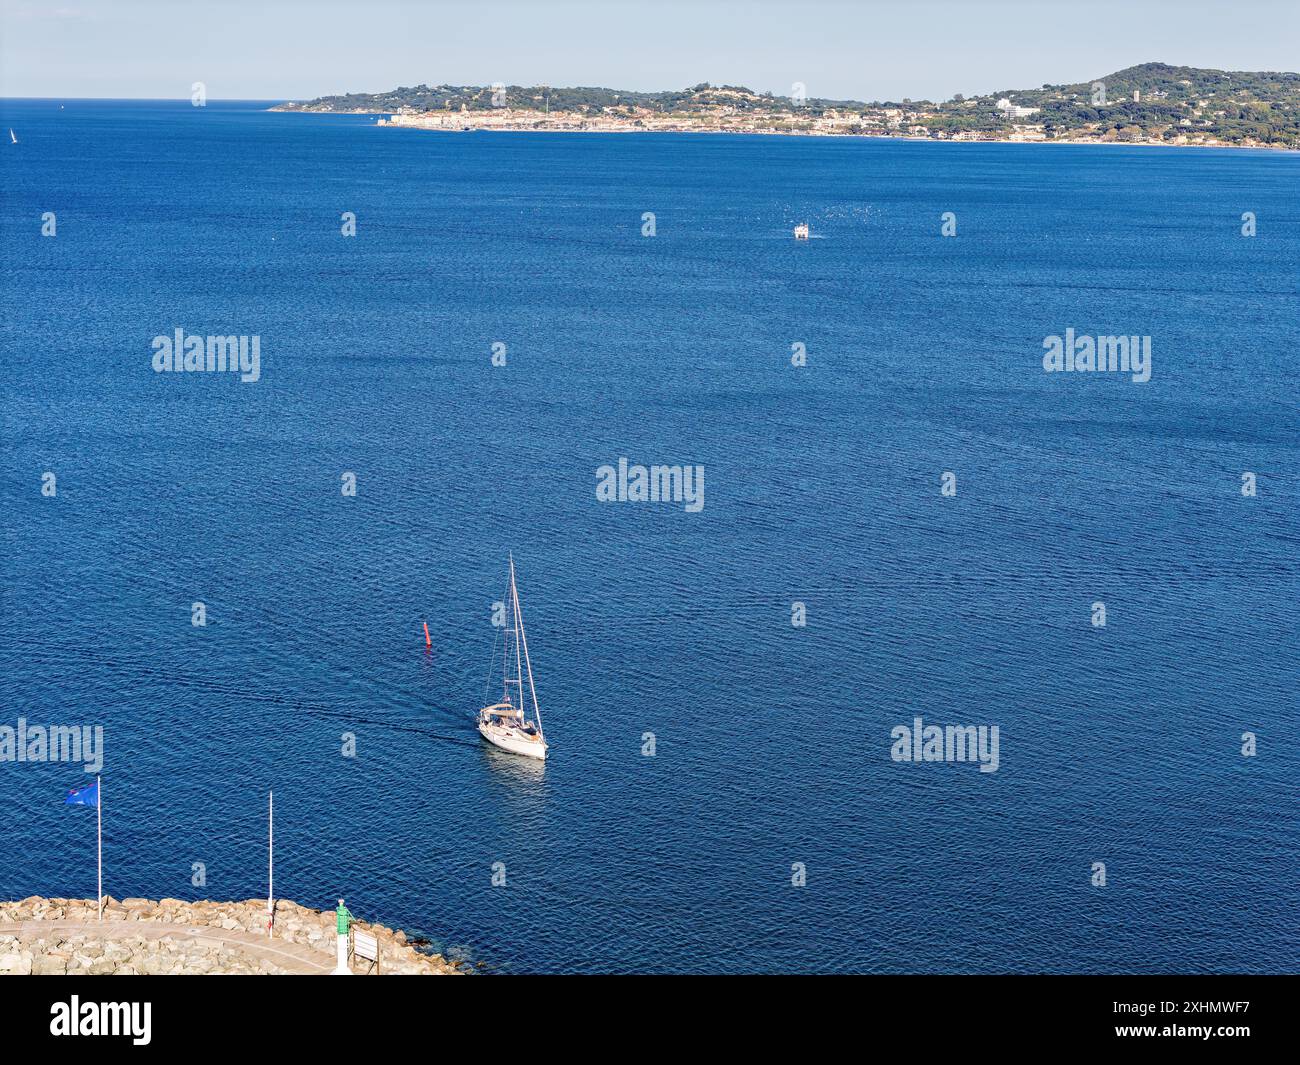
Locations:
507 724
11 135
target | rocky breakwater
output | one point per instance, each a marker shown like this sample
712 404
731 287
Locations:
140 937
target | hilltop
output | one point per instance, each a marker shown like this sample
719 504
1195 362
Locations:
1149 103
1152 101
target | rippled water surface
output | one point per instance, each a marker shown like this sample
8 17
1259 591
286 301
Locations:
1118 744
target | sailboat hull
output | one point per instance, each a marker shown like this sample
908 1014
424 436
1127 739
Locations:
512 741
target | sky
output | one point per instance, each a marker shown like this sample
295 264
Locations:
838 49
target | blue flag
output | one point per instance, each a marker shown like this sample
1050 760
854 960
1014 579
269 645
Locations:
87 796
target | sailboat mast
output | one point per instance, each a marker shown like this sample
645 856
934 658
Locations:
519 664
505 660
523 639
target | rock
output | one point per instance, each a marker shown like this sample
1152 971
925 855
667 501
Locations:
122 947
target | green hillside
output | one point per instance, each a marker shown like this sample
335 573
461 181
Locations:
1172 104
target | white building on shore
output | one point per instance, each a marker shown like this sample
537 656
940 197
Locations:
1012 111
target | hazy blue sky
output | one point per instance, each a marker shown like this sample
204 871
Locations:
287 49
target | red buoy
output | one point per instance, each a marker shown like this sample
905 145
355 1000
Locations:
427 642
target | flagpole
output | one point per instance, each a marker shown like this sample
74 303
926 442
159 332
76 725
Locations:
99 845
270 861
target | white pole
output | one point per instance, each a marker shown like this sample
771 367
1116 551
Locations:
519 625
270 861
537 710
99 845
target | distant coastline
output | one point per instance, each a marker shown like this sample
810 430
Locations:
1149 104
389 120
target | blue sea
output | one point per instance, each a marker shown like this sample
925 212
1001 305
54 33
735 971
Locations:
1119 744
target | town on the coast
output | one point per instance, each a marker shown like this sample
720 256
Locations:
1153 103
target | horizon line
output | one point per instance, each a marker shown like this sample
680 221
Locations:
829 99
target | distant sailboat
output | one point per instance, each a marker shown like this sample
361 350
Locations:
506 724
11 135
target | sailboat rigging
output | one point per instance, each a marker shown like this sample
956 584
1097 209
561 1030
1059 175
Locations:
507 724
